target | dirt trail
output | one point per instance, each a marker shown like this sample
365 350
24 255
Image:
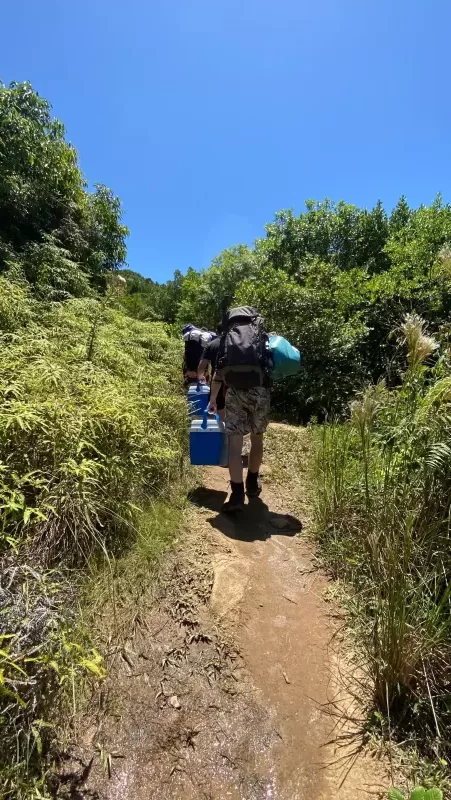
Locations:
225 690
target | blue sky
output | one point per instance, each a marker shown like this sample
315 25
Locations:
207 116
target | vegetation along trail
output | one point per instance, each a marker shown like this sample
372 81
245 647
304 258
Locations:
229 688
189 655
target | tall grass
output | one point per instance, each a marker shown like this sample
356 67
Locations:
383 515
92 433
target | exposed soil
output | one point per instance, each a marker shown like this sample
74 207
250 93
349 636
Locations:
231 687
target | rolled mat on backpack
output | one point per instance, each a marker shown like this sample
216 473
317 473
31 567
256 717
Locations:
286 359
195 340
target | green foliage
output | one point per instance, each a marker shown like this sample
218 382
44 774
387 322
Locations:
336 280
92 428
147 300
87 427
59 235
41 661
92 431
206 296
341 233
16 306
383 519
416 794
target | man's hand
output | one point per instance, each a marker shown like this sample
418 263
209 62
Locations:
212 408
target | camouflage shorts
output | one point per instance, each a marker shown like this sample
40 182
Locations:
247 411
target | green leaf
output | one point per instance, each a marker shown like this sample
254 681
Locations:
419 793
434 794
94 665
13 695
395 794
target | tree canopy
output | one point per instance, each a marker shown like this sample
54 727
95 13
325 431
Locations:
54 232
336 280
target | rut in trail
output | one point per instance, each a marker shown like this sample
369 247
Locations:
230 688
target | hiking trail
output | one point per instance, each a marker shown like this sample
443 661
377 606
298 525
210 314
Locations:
234 686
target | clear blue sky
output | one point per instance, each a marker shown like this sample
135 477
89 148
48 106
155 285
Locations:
207 116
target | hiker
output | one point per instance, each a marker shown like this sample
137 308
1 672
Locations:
196 339
243 365
210 357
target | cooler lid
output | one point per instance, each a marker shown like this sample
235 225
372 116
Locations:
213 425
194 391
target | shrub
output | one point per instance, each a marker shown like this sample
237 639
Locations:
92 429
383 509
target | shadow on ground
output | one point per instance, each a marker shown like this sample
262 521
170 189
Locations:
255 523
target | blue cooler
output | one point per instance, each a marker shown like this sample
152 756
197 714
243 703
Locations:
208 442
198 399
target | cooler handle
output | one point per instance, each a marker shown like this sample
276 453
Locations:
205 419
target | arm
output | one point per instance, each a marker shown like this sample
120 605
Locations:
215 387
202 368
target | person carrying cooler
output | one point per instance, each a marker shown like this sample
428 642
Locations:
243 365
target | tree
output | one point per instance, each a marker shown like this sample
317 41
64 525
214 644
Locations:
206 296
44 202
310 318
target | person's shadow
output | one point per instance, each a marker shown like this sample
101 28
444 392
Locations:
255 523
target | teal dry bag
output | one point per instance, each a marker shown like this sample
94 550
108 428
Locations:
286 358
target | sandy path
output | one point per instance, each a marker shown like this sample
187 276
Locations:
223 690
267 590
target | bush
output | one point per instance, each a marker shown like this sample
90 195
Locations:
383 512
92 428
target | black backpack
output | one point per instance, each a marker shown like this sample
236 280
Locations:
244 351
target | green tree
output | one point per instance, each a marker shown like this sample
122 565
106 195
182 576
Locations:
329 343
338 233
206 296
44 203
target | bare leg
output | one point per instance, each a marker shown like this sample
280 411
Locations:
256 454
235 462
221 414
